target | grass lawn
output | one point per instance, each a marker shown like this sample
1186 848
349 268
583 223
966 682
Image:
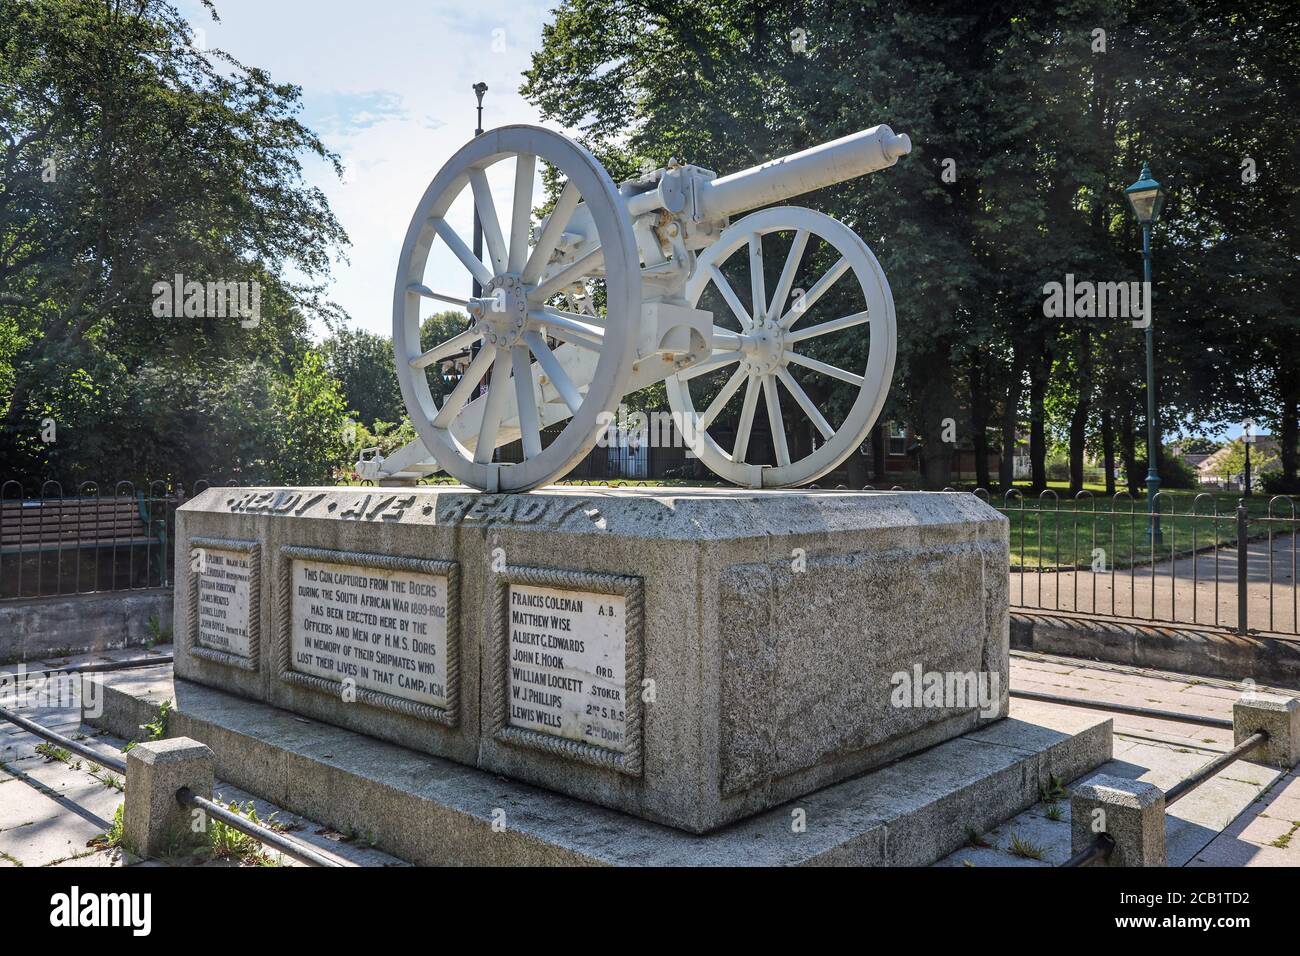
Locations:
1060 532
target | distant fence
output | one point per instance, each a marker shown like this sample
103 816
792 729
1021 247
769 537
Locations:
88 538
1204 566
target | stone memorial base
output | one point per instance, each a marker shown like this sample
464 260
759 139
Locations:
433 811
689 656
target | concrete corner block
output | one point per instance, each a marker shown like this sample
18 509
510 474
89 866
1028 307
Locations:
1130 811
155 824
1279 717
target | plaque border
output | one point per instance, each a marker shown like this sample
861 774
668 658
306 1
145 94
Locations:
448 716
632 589
254 550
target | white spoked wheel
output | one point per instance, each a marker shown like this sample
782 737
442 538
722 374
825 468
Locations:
775 338
546 364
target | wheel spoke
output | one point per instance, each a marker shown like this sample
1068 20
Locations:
487 217
463 252
417 288
551 233
835 325
774 420
521 213
809 298
530 432
757 281
825 369
806 403
568 275
788 272
570 330
710 364
746 423
720 400
564 386
493 405
457 343
733 300
468 382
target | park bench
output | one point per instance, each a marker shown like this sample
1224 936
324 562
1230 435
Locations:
57 524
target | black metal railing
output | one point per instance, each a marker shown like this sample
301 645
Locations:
93 537
1205 566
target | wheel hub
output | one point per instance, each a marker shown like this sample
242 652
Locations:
764 348
501 313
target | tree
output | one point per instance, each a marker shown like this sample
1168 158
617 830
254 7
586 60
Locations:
362 363
129 157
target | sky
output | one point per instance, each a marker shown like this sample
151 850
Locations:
387 86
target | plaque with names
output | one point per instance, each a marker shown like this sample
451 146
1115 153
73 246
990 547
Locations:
566 664
222 587
385 630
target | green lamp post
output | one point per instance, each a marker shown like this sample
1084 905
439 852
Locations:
1146 197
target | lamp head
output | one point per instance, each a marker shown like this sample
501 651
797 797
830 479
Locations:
1146 197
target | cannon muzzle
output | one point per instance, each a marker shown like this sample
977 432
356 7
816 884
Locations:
835 162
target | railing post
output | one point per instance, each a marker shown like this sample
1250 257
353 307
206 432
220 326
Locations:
1278 717
154 821
1131 812
1243 579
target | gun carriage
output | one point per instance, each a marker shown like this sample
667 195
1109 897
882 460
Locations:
602 299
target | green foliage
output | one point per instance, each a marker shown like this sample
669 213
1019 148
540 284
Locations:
115 835
1025 849
310 417
227 843
362 363
131 156
1176 473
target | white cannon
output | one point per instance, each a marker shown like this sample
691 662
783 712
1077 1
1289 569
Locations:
600 301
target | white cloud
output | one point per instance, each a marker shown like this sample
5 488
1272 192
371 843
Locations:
388 87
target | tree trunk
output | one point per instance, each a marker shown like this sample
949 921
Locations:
934 403
1128 449
1038 374
1290 432
1010 419
1289 382
979 423
1108 449
1082 409
878 473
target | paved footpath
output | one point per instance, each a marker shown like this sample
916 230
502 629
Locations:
1182 591
1247 815
52 812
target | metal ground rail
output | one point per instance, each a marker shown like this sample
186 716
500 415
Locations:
184 796
1104 844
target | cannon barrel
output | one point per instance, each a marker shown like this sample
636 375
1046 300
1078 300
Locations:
842 159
